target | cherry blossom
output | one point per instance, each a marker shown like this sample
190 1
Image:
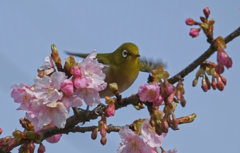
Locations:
150 136
49 65
21 93
132 143
47 87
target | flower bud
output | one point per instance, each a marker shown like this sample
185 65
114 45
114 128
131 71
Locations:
110 111
103 131
54 139
12 143
204 20
224 80
195 81
165 126
206 12
219 69
113 87
31 147
94 133
204 85
75 70
214 84
190 21
175 122
194 32
158 129
1 131
67 87
41 148
103 140
183 102
220 84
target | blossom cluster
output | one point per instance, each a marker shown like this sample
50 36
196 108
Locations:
47 103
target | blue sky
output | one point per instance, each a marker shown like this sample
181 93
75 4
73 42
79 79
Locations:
28 28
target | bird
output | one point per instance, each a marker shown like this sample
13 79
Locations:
122 66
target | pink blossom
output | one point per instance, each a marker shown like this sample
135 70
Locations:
54 111
49 66
72 101
47 87
171 151
92 71
67 87
194 32
90 96
22 94
150 136
54 139
43 114
132 143
190 21
150 93
80 82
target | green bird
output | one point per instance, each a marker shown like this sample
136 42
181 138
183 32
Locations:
121 66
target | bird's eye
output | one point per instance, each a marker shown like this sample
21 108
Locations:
124 53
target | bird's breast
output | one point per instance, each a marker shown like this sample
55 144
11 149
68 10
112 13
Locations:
123 77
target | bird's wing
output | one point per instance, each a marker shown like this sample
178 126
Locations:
147 65
77 54
102 58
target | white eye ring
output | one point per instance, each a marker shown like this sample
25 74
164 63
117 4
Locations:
124 53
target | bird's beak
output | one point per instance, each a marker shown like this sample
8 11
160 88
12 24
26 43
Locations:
137 55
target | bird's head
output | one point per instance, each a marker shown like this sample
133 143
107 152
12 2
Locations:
127 54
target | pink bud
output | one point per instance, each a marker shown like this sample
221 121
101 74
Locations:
219 69
220 84
12 143
206 12
158 102
94 133
204 85
170 98
67 87
1 131
110 111
103 140
169 88
80 82
31 147
223 59
175 122
214 85
229 63
76 71
194 32
224 80
190 21
103 131
54 139
183 101
41 148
